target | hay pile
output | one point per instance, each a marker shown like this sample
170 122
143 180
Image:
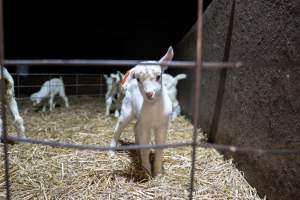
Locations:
42 172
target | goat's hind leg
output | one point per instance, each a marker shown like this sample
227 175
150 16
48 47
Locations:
123 121
62 94
18 120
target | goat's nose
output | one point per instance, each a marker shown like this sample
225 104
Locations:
149 94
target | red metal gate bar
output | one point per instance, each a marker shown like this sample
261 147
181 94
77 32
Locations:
198 70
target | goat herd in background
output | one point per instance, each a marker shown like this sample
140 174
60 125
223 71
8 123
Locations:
145 93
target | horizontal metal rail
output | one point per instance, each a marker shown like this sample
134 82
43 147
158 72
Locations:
116 63
221 147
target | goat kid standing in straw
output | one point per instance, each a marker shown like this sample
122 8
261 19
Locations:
147 101
12 104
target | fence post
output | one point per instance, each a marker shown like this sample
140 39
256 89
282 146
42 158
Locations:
3 106
197 94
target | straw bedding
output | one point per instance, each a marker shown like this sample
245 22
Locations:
43 172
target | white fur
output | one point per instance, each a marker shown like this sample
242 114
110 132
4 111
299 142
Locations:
170 83
12 104
114 94
147 101
48 91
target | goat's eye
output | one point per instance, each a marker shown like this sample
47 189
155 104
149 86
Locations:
158 78
138 79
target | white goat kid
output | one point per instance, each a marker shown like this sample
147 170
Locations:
48 91
170 83
12 104
114 94
147 101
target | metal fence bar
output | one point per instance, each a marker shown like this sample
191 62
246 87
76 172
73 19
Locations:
206 145
54 143
198 70
18 85
118 63
77 84
3 107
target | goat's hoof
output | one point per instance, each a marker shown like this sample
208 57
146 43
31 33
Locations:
111 154
146 171
158 172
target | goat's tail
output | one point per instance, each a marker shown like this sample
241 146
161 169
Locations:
180 76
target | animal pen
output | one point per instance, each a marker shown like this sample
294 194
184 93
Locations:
190 135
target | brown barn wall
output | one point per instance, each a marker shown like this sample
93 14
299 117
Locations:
261 102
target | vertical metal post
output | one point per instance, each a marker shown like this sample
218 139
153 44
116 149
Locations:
197 93
18 80
76 84
3 105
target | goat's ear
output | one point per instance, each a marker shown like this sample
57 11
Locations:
115 76
127 77
167 59
105 76
121 75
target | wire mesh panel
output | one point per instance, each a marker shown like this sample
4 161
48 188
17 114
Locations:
75 84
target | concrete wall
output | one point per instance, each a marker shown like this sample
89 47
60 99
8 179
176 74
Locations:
261 101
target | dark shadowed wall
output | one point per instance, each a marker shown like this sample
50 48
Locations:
260 106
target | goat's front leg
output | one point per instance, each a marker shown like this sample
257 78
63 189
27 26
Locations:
108 105
143 137
121 124
18 120
124 119
51 102
160 138
117 114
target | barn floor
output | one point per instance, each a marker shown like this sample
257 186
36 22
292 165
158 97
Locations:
43 172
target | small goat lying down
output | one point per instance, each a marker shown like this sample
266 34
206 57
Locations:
48 91
114 94
12 104
146 100
170 84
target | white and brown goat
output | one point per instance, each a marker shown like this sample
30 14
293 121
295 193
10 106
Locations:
114 94
147 101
